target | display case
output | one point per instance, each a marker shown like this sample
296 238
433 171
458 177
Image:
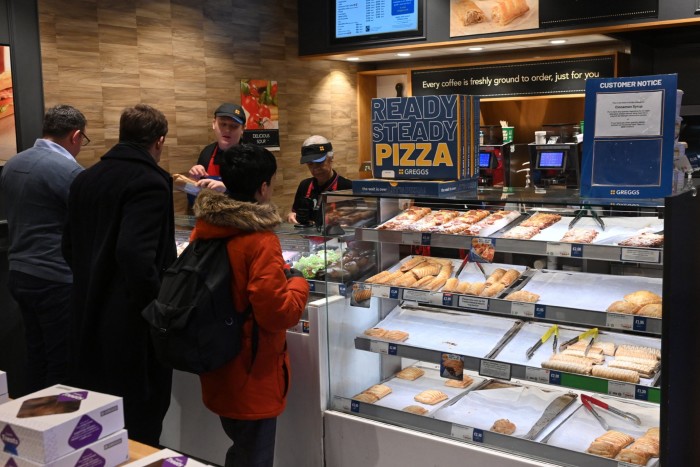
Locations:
438 346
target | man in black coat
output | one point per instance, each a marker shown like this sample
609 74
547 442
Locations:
119 238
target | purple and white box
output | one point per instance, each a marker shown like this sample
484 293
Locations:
166 458
109 451
4 396
56 421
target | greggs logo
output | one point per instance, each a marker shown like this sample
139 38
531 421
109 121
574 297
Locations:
625 192
322 148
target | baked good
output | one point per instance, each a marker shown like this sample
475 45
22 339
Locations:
416 409
181 181
495 276
579 236
406 280
407 217
522 296
644 370
645 239
463 383
463 287
654 433
366 397
633 456
430 397
618 374
492 290
652 310
542 220
581 346
610 443
375 332
412 263
503 425
467 12
506 11
377 278
396 336
362 295
411 373
623 306
570 367
476 288
379 390
521 232
453 367
578 359
642 297
430 269
433 221
639 351
509 277
452 285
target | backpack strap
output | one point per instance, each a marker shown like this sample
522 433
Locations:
254 344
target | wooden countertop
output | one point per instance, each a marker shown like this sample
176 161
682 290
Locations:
138 450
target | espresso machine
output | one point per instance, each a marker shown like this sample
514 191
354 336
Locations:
494 157
555 156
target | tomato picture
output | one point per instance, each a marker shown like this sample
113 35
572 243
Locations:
259 100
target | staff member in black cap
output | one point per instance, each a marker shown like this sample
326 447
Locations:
317 154
228 124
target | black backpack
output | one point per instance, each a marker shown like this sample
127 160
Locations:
194 324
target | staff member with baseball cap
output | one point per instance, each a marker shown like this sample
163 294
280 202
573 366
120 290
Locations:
228 124
317 154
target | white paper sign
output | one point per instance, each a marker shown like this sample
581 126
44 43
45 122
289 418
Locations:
628 114
619 389
618 321
558 249
411 238
462 432
416 295
473 303
494 369
640 256
538 375
381 291
522 309
379 347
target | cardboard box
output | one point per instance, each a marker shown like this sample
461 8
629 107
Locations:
425 137
432 188
4 396
169 459
109 451
55 421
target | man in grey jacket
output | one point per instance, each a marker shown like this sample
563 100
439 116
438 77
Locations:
35 184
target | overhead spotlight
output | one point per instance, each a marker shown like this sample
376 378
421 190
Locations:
403 54
476 49
557 41
353 59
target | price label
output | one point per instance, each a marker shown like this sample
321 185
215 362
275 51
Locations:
526 310
555 378
640 256
410 238
619 389
577 251
354 406
473 303
416 295
467 433
379 347
640 323
558 249
492 369
540 311
538 375
641 393
618 321
381 291
447 299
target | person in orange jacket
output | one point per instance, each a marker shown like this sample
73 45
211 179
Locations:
249 392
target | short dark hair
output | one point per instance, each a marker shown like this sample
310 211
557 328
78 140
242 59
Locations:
62 119
142 125
244 168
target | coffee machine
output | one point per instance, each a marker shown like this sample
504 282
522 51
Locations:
555 156
494 157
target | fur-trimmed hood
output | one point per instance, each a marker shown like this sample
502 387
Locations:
220 210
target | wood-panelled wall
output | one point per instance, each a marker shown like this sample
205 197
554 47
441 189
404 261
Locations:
185 57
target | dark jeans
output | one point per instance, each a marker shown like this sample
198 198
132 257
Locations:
253 442
45 307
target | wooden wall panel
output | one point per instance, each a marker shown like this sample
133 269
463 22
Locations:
186 57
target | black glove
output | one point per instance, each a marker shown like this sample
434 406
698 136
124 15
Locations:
291 272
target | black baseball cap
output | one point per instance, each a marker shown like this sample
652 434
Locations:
234 111
315 152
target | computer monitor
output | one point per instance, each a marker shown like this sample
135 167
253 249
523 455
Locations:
485 159
550 160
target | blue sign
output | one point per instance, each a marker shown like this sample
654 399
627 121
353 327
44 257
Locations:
393 349
447 299
540 311
554 377
355 407
639 323
394 293
641 393
576 251
478 436
425 238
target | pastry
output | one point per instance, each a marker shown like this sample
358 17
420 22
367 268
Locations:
509 277
396 336
452 285
410 374
379 390
522 232
423 270
503 425
375 332
495 276
423 282
541 220
388 279
580 360
453 367
590 356
407 217
633 456
583 344
463 383
623 306
618 374
640 351
652 310
366 397
467 12
653 433
646 239
416 409
430 397
569 367
645 371
377 278
407 280
523 296
642 297
645 360
492 290
506 11
579 236
464 287
610 443
361 295
436 283
412 263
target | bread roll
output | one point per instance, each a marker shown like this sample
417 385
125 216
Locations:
643 297
622 306
652 310
618 374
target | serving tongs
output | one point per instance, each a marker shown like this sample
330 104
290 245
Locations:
591 334
581 212
554 330
588 400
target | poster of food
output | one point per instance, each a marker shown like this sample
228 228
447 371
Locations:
469 17
259 100
8 138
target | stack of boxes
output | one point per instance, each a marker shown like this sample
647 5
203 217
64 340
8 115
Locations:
61 426
423 145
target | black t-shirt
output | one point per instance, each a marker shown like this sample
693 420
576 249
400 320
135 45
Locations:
309 188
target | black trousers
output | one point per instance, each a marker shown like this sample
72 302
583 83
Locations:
253 442
45 307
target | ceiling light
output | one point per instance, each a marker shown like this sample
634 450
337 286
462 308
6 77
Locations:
476 49
353 59
557 41
403 54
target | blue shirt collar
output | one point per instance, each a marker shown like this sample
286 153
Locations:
55 147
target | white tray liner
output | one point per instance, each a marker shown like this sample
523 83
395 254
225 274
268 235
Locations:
452 332
586 291
480 409
577 433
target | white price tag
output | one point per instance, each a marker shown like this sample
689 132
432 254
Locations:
494 369
558 249
619 389
522 309
381 291
618 321
379 347
473 303
416 295
640 256
538 375
462 432
410 238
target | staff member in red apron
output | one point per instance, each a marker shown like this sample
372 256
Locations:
228 124
317 154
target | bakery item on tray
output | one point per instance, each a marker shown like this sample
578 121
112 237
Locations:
639 351
468 12
522 232
405 219
633 456
506 11
582 368
510 276
645 370
495 276
610 443
493 290
412 263
618 374
503 425
379 390
411 373
579 235
375 332
652 310
396 336
362 295
366 397
645 239
415 409
433 221
523 296
462 222
642 297
466 381
623 306
542 220
430 397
